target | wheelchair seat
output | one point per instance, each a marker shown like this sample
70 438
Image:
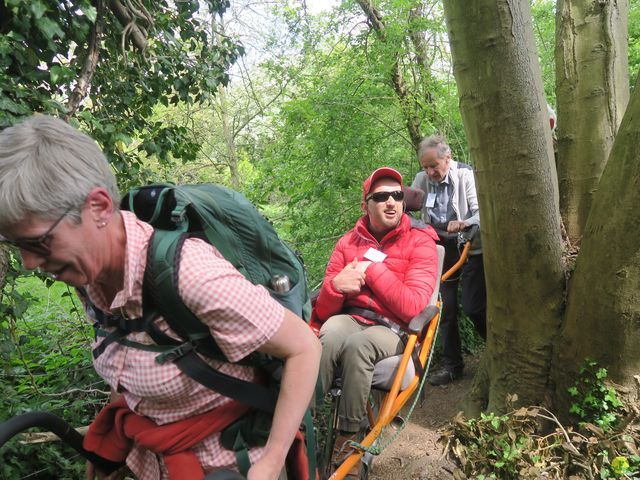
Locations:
384 372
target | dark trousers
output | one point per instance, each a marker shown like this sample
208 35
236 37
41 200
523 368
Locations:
474 305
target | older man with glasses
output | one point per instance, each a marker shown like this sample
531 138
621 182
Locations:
380 275
451 206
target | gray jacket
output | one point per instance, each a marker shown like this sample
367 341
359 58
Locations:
464 199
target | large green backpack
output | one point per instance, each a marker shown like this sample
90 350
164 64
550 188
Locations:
227 220
246 239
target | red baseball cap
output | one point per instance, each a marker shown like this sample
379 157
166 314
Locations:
382 172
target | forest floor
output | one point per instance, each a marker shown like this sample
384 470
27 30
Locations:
416 453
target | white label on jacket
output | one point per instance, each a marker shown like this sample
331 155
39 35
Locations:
375 255
431 200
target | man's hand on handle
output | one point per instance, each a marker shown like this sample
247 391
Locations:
455 226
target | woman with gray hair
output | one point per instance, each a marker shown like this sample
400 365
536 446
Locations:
59 207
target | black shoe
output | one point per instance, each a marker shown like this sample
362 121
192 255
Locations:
444 376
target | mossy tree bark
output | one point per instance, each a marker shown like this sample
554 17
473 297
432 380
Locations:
592 85
505 118
603 307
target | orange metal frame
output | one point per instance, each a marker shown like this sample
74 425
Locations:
395 399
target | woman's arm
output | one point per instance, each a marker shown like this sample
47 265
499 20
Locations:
295 343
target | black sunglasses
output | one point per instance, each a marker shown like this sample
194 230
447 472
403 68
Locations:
39 245
379 197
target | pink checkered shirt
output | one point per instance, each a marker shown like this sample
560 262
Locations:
240 315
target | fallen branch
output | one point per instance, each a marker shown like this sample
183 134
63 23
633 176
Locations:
45 437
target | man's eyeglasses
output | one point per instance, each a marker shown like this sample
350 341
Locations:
379 197
39 245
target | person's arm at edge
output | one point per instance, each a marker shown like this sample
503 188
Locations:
295 343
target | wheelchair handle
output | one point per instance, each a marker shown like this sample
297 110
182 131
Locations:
465 238
469 233
466 235
49 421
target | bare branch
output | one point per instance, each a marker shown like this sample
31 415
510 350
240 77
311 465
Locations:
127 20
397 79
90 62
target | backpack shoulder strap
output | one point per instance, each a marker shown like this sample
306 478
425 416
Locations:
160 286
160 296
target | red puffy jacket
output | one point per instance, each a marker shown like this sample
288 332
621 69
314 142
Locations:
399 287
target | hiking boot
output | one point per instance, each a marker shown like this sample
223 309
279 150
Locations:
342 450
444 376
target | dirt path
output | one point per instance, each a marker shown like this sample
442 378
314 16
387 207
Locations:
415 454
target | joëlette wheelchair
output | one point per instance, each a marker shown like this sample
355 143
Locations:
396 379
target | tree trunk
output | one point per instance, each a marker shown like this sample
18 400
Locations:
228 131
229 138
91 57
592 84
506 122
603 308
423 68
397 79
4 266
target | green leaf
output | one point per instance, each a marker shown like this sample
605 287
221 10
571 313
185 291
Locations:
6 104
55 73
37 8
90 12
49 28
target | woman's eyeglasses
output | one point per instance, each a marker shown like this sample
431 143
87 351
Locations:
379 197
39 245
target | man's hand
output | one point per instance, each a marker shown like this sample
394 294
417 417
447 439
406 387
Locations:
457 226
351 278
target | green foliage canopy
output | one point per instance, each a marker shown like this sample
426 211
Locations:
59 56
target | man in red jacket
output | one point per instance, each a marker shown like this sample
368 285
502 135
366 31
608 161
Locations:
380 275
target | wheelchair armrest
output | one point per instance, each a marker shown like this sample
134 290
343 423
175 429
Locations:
420 321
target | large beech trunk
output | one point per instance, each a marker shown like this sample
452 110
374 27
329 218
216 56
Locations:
505 118
592 86
603 307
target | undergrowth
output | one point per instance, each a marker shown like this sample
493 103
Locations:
45 365
531 443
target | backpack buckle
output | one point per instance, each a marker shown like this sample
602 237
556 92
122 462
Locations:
174 353
177 216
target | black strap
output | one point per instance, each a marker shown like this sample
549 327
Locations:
114 336
187 325
160 294
382 320
121 323
376 317
252 394
415 356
